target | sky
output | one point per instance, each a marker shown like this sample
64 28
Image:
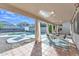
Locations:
14 18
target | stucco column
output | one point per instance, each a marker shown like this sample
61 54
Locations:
57 29
47 31
70 28
52 29
37 32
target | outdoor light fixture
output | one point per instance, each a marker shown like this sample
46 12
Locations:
46 13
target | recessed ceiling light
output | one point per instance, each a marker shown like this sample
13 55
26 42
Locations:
46 13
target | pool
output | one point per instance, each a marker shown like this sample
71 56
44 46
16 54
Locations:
20 36
19 33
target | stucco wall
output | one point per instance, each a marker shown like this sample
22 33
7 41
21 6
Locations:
75 37
66 27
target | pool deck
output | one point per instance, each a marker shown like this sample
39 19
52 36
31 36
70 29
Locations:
44 48
40 49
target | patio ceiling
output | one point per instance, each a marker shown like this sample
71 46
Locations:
62 12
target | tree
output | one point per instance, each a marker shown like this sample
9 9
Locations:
1 25
50 28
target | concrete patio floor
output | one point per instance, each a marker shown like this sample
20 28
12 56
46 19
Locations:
40 49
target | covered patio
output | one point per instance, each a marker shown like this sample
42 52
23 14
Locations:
60 13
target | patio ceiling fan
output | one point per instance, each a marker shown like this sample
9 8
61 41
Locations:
46 13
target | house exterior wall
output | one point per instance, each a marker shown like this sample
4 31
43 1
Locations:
75 29
69 28
75 36
66 27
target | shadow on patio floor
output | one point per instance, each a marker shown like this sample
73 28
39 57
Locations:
37 50
64 51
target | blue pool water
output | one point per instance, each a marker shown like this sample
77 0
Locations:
27 33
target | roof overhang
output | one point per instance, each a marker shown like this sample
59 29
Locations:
63 11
